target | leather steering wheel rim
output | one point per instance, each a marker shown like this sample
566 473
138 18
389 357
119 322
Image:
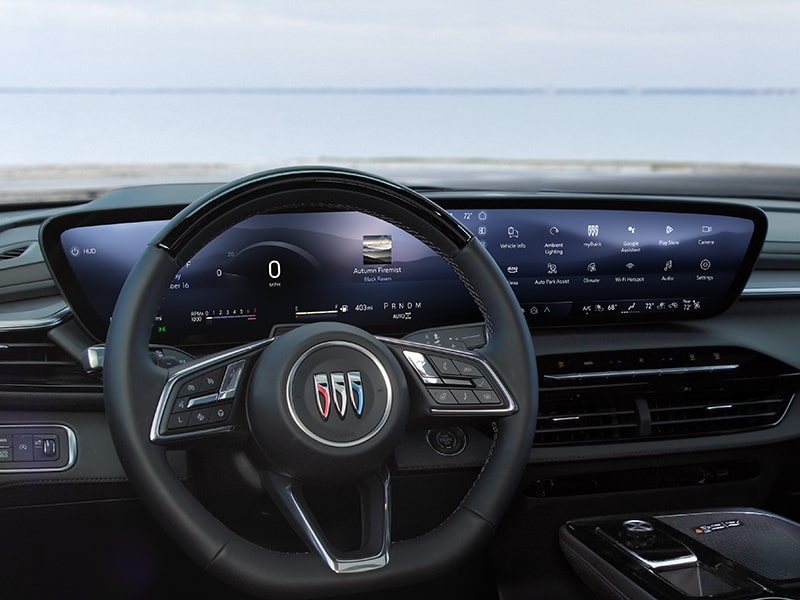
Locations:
133 383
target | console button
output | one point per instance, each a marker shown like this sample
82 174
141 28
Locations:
23 448
5 441
45 447
5 455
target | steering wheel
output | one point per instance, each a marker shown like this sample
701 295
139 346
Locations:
324 403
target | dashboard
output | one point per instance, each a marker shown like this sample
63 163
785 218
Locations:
568 262
664 324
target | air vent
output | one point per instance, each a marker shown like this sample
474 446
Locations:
14 251
27 364
657 395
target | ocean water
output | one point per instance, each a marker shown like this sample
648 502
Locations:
233 126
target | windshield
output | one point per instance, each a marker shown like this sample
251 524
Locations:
160 91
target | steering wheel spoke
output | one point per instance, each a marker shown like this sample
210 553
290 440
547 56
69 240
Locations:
451 383
375 512
204 399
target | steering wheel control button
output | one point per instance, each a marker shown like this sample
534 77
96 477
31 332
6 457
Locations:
481 384
447 441
220 413
487 397
181 404
178 421
465 397
445 366
199 417
209 382
230 380
443 397
467 369
190 388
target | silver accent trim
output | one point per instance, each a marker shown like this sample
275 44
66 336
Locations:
311 434
202 400
72 448
198 365
339 389
47 322
641 372
230 380
336 564
93 358
769 292
497 384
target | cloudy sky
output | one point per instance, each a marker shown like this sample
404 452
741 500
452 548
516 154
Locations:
402 43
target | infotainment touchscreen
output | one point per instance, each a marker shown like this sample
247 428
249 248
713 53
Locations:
566 265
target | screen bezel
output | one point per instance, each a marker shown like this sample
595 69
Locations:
83 311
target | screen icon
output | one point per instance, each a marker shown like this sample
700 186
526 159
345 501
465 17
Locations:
705 264
668 265
668 229
591 267
377 249
706 228
513 232
593 230
552 269
554 230
631 229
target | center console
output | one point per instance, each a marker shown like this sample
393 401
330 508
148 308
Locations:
730 554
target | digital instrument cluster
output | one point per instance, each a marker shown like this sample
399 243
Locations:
567 264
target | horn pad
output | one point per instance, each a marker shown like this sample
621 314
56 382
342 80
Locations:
327 403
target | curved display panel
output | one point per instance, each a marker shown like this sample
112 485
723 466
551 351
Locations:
568 263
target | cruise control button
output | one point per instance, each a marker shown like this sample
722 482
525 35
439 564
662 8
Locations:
199 417
220 413
487 397
178 421
442 396
190 387
465 396
467 369
445 366
209 382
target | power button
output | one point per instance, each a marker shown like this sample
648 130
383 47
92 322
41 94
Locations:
447 441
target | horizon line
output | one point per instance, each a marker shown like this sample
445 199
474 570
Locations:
405 90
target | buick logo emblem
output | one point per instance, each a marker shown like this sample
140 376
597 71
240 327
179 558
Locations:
339 389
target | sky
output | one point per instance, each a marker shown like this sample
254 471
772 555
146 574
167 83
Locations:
372 43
